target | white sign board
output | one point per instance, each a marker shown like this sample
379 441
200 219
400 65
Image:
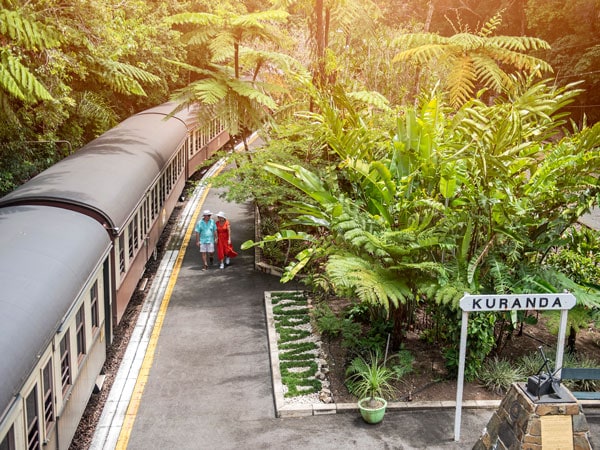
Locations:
516 302
500 302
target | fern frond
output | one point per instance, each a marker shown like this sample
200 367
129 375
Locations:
422 54
248 90
370 283
491 25
488 72
371 98
29 34
519 43
124 78
194 18
461 80
17 81
410 40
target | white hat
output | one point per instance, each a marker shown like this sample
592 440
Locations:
207 212
221 214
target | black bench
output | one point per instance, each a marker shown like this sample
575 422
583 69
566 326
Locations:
572 373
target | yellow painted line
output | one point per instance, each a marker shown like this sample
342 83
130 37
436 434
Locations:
144 372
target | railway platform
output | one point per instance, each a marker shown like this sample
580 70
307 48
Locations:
197 372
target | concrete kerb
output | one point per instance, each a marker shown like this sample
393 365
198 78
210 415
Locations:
315 409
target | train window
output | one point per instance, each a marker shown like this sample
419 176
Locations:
8 443
136 230
80 333
94 307
163 190
48 396
145 218
155 206
169 176
133 236
65 362
33 422
199 142
122 253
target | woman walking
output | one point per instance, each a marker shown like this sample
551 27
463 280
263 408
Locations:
224 249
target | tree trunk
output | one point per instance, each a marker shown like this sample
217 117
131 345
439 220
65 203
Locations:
400 316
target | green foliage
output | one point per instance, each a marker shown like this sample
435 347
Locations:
328 324
480 342
297 356
372 285
470 60
369 377
402 363
577 319
498 374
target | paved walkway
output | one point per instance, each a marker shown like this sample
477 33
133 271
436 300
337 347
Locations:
197 374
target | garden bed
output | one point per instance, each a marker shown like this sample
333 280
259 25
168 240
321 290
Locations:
429 380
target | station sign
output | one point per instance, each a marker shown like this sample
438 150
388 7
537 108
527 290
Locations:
512 302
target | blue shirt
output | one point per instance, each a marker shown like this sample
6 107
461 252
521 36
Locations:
206 230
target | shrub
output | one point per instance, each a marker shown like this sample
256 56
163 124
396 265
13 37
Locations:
497 375
402 363
326 322
369 377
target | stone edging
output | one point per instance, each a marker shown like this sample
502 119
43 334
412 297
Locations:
316 409
259 264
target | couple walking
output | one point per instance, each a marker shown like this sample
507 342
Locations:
210 233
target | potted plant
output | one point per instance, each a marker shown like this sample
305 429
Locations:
370 380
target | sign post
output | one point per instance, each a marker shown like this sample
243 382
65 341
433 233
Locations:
482 303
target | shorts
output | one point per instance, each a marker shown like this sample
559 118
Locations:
207 248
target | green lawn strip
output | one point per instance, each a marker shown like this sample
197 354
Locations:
297 357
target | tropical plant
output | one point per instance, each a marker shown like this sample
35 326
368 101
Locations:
470 61
470 202
370 378
22 34
498 374
230 93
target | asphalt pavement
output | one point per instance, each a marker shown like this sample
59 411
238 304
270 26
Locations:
198 374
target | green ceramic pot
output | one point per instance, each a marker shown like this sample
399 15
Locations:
372 414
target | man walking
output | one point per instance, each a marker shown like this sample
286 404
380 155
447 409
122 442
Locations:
206 236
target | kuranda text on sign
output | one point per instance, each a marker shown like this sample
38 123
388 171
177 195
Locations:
511 302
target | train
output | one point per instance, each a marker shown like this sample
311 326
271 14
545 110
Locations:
74 244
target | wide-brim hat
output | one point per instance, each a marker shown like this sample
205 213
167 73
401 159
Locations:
221 214
207 212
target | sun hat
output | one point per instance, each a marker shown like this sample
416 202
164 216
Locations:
207 212
221 214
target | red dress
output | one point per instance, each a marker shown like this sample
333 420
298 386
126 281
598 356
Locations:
224 248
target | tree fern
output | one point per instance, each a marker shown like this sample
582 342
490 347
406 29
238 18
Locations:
469 58
122 77
370 283
18 81
26 33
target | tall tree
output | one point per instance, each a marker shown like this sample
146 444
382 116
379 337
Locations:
236 95
469 61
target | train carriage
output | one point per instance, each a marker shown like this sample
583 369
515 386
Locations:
54 268
74 244
129 179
